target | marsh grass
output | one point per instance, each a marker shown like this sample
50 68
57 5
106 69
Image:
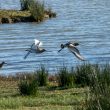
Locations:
99 96
28 87
65 78
36 8
42 76
95 94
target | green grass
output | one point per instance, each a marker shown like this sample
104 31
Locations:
93 95
46 99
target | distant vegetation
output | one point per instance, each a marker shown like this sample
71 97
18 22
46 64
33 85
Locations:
37 9
31 11
85 87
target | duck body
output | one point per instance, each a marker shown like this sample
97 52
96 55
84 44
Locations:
72 48
1 64
35 48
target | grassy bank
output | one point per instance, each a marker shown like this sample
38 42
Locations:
85 87
47 98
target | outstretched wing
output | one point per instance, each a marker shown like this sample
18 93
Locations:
76 52
29 51
37 42
73 43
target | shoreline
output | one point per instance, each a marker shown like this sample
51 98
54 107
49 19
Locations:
16 16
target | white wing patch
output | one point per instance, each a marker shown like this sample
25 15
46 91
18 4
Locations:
37 42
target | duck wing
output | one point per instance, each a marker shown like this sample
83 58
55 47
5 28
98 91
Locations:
29 51
73 43
76 52
37 42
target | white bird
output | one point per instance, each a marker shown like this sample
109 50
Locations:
72 47
35 48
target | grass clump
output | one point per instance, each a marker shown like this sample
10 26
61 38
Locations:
36 8
25 4
99 96
28 87
65 78
42 76
82 74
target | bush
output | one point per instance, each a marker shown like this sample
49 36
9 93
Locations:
83 74
36 8
25 4
28 87
99 96
99 93
65 78
42 76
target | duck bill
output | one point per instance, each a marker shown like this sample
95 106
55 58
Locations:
59 50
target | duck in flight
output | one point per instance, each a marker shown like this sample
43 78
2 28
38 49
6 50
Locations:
1 64
72 48
35 48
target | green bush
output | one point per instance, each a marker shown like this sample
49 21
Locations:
42 76
65 78
28 87
25 4
36 8
99 95
83 74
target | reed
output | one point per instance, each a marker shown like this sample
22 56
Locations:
99 96
36 8
65 78
42 76
28 87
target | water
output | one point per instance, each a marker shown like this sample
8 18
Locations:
85 21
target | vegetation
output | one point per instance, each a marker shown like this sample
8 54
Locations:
99 97
28 87
65 78
90 89
31 11
42 76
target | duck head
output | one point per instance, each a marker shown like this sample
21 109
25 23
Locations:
62 47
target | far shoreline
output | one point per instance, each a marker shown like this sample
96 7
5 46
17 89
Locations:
16 16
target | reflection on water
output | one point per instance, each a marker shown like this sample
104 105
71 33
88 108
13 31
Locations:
87 22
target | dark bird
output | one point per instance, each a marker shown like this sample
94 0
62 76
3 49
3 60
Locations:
1 64
35 48
72 47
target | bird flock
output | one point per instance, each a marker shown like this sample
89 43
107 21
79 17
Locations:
36 48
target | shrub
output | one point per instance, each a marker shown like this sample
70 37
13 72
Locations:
42 76
25 4
99 96
36 8
83 74
28 87
65 78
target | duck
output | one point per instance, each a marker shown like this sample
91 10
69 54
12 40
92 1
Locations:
2 63
72 48
35 48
